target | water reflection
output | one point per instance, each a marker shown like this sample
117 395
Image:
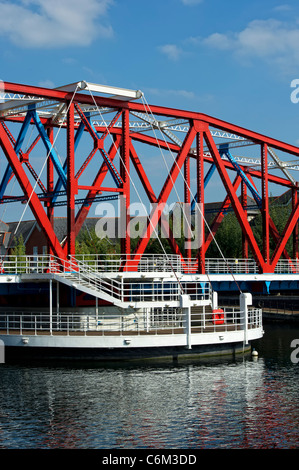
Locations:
221 404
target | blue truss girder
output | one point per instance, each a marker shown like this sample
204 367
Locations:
78 136
17 148
224 149
49 146
113 197
42 197
206 181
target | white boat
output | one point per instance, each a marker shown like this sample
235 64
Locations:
155 311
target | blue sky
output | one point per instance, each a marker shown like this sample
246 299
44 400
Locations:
231 59
234 60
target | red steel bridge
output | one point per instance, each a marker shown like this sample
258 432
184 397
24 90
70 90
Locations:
83 143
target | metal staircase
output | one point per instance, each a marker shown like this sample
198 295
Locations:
123 292
108 283
88 281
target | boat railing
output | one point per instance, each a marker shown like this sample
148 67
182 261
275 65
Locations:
164 320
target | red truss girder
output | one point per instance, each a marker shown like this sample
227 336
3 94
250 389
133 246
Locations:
30 194
165 192
199 131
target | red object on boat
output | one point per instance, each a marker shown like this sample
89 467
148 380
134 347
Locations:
218 316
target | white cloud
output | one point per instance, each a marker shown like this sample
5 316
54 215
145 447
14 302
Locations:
190 95
46 84
191 2
55 23
185 95
284 7
270 40
172 51
220 41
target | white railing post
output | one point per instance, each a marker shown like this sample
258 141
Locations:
50 307
214 300
186 308
245 300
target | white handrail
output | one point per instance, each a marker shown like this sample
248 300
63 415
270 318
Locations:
142 291
102 263
169 319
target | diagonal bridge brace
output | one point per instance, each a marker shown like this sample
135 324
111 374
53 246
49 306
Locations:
98 141
224 150
239 211
17 147
156 213
275 234
49 146
23 158
153 200
30 194
93 191
289 227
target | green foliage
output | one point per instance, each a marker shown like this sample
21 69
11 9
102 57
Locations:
19 249
89 243
229 234
228 238
279 215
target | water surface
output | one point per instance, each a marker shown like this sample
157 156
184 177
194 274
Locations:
217 404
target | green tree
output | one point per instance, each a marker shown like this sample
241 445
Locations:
19 248
88 243
279 215
19 251
228 238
